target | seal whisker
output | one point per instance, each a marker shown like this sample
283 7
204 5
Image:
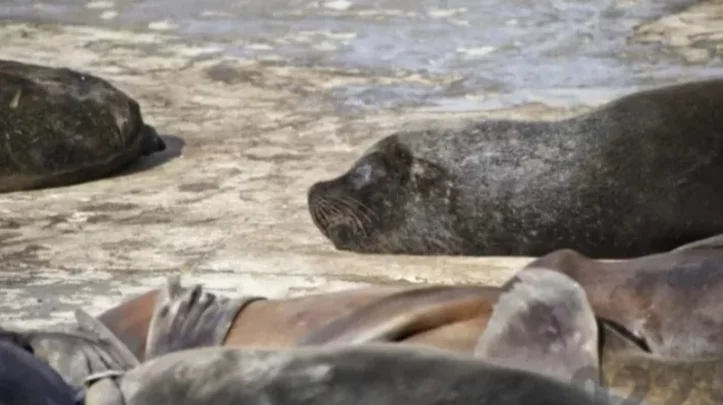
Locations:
355 212
358 205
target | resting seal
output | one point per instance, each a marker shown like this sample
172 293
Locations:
435 315
669 302
344 375
637 176
62 127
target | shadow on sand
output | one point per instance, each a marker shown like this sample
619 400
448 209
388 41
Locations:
174 149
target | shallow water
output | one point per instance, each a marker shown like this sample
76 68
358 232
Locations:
558 52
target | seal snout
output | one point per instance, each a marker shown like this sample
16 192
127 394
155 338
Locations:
338 214
318 206
152 142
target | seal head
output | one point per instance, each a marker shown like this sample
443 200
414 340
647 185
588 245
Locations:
384 202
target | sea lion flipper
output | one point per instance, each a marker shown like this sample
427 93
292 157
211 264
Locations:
399 315
544 324
185 318
89 324
711 243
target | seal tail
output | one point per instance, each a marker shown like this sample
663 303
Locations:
543 324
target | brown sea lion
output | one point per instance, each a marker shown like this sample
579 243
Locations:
62 127
666 302
624 361
636 176
428 314
344 375
669 302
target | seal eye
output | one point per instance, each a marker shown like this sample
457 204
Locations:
368 173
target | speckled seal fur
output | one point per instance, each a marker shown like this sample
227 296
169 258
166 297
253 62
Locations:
60 127
347 375
639 175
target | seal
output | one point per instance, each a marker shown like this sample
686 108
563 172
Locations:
437 315
382 374
63 127
548 312
636 176
668 302
25 379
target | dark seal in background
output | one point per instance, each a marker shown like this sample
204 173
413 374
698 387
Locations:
60 127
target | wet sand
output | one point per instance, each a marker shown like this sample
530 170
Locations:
226 203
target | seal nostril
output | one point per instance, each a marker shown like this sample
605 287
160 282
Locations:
342 236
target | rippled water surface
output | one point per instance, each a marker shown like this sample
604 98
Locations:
555 51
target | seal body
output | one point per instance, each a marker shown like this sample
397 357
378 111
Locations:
267 323
348 375
637 176
62 127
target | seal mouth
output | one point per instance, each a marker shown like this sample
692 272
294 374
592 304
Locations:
341 218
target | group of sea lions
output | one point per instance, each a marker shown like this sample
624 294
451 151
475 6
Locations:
636 179
566 329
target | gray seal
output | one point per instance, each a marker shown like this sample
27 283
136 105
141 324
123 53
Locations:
62 127
369 374
639 175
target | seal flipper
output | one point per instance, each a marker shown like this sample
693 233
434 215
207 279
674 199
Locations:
89 324
714 242
402 314
543 324
189 318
